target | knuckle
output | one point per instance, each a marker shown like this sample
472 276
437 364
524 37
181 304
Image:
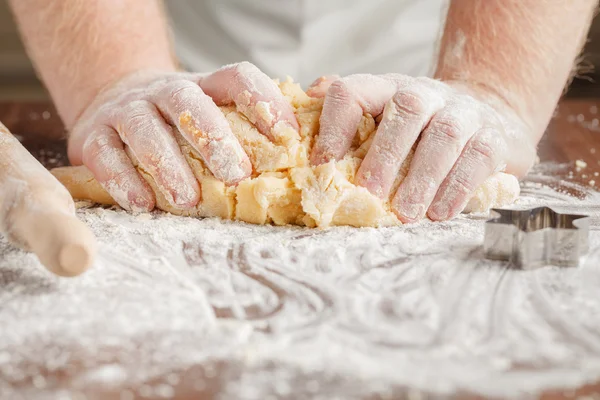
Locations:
96 144
409 103
447 129
484 149
90 144
180 91
106 111
90 151
340 90
462 184
137 116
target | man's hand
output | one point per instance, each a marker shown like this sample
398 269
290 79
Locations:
502 68
109 67
145 111
460 138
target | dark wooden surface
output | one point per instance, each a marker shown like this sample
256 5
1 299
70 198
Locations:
574 134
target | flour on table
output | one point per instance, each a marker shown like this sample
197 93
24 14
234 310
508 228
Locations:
284 189
180 307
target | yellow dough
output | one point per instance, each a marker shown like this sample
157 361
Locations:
284 189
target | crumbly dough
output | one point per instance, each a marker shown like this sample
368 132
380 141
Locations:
283 188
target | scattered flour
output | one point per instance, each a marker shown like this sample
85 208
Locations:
580 164
177 306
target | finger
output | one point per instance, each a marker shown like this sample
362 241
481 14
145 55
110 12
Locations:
480 159
151 141
441 144
320 86
404 118
255 95
346 101
104 155
203 125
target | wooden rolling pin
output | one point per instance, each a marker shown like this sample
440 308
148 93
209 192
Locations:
38 213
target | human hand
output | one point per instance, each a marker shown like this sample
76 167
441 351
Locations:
462 135
144 111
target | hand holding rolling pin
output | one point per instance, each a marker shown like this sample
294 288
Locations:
38 214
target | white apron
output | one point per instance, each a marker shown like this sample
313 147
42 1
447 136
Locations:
309 38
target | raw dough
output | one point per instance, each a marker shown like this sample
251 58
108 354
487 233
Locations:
284 189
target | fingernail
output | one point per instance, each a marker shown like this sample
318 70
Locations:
238 173
412 212
140 205
439 212
187 200
185 195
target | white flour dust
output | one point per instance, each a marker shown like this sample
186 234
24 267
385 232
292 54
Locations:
176 306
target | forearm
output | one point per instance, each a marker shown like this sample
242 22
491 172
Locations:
80 46
524 51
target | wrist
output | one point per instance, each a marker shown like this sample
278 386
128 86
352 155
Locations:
519 127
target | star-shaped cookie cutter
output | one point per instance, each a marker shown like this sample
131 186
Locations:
536 237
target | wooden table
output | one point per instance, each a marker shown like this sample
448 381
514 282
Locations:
573 135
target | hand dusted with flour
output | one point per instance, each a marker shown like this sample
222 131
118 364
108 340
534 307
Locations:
116 85
500 72
133 122
458 140
283 188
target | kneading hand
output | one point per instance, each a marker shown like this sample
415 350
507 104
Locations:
144 111
462 136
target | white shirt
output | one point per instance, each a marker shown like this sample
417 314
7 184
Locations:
309 38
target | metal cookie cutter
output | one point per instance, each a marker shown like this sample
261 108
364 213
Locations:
536 237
